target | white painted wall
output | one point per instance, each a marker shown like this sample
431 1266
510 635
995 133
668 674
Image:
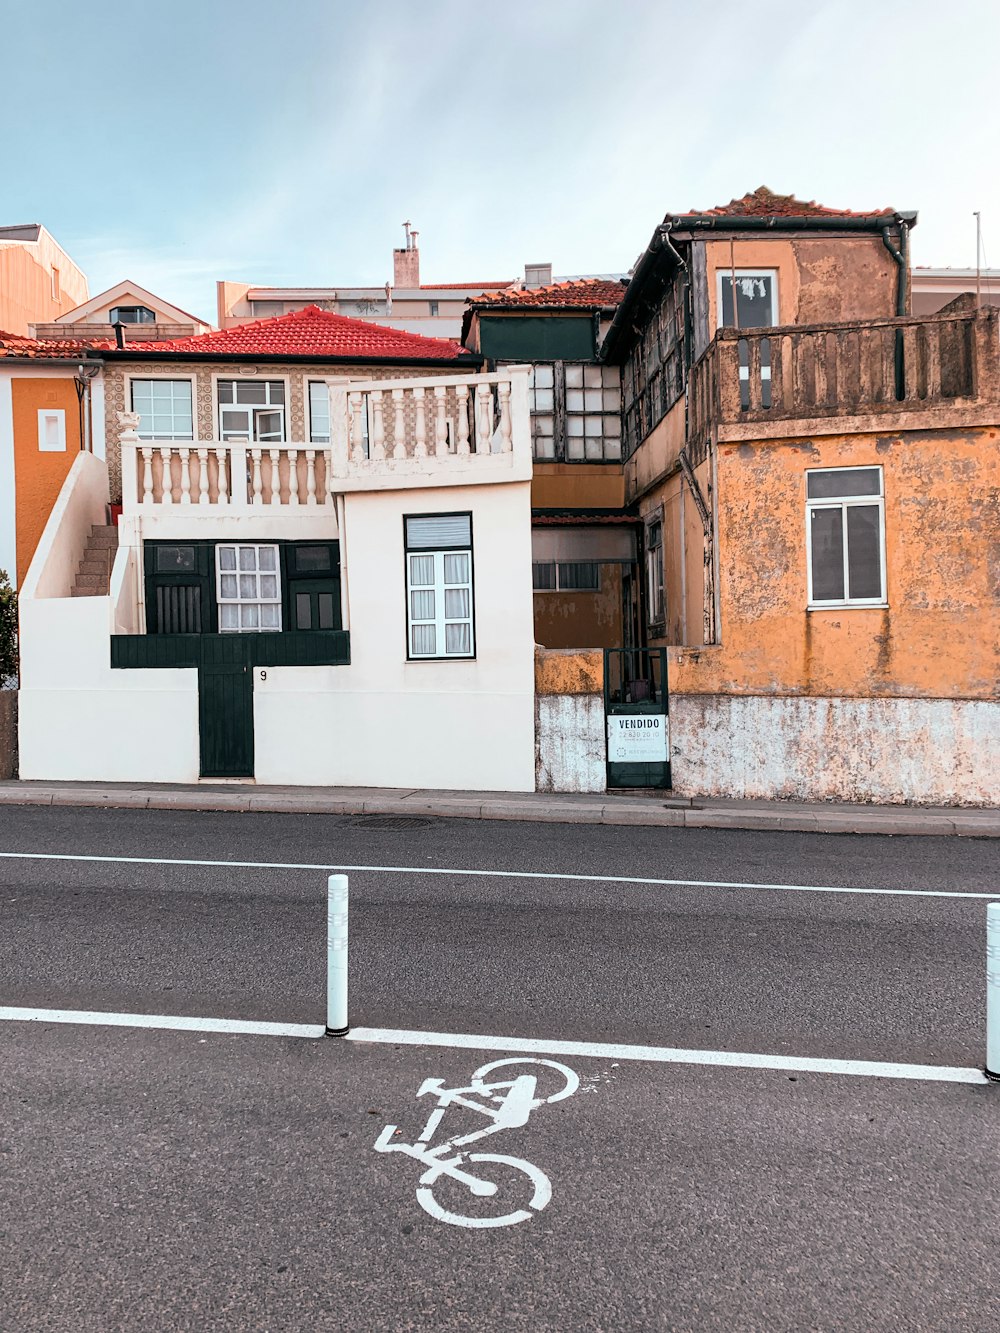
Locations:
927 751
382 721
8 495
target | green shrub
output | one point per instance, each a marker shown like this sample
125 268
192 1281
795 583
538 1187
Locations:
8 631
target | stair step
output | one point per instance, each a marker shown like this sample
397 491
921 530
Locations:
88 592
89 565
102 540
91 581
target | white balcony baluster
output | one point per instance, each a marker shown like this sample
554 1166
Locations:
275 482
378 427
398 425
357 428
202 475
147 474
506 434
258 480
167 482
310 476
462 394
185 456
420 425
293 476
484 418
220 456
440 421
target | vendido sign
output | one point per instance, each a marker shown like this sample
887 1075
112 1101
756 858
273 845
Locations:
637 738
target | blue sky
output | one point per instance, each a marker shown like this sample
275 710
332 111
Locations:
179 143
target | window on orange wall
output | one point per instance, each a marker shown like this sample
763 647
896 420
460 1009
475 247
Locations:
654 572
845 534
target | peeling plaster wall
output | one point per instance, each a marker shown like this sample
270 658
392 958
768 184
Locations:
939 635
570 752
929 752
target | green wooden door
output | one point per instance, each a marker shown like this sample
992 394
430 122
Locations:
225 716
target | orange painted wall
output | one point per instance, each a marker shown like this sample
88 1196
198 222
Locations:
39 476
939 636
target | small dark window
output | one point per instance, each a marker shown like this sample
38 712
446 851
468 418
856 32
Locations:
543 576
312 559
178 609
325 600
174 559
131 314
303 616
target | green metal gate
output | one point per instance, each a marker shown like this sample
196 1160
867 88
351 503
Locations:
636 709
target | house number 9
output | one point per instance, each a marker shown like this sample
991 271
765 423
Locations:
263 675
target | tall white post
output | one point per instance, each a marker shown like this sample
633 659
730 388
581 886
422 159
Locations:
993 991
336 956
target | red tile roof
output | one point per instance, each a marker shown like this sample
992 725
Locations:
591 293
311 332
44 349
764 203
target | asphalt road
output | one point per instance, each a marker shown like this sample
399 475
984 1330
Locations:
153 1180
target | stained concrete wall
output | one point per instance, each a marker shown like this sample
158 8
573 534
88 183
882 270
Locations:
8 734
895 751
570 751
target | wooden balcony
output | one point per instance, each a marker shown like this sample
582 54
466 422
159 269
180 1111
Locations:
851 372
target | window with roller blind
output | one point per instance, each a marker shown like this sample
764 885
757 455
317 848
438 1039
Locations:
440 617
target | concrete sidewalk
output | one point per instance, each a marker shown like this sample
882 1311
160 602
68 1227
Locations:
654 808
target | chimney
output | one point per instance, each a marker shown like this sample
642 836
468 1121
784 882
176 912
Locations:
537 275
406 262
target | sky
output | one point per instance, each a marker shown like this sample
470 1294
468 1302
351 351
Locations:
176 144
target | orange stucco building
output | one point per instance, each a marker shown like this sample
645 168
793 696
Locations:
816 473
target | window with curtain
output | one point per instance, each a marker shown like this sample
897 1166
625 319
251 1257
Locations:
845 523
248 586
439 589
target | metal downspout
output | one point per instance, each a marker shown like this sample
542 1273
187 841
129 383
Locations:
901 257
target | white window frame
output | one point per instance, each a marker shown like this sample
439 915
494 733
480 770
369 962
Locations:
721 274
254 409
51 442
843 503
440 620
258 573
655 573
169 379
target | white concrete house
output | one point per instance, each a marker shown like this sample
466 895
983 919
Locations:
321 573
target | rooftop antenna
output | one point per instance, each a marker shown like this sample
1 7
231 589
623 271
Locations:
978 250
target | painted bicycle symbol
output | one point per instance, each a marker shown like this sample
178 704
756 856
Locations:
505 1093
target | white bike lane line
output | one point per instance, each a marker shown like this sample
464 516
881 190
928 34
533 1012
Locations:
474 873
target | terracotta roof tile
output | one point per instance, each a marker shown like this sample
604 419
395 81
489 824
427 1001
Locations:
589 293
45 349
312 332
764 203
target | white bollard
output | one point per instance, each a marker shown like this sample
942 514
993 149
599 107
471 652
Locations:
993 991
336 956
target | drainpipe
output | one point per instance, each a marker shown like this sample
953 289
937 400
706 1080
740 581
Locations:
901 257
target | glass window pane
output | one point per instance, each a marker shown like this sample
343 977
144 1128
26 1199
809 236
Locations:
456 604
303 612
250 391
611 376
456 568
423 641
864 564
225 389
574 377
431 534
248 557
754 292
592 377
227 557
574 400
249 616
612 448
310 558
613 426
574 447
326 617
276 391
421 570
543 377
458 639
268 585
270 617
267 558
248 585
840 482
229 616
826 539
593 449
592 401
592 426
169 559
574 425
229 586
543 575
611 401
543 400
422 605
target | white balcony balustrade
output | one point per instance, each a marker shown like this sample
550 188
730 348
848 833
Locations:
385 434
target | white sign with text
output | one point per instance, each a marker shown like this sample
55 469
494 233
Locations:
637 738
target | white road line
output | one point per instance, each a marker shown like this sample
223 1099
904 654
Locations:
172 1023
500 874
517 1045
670 1055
